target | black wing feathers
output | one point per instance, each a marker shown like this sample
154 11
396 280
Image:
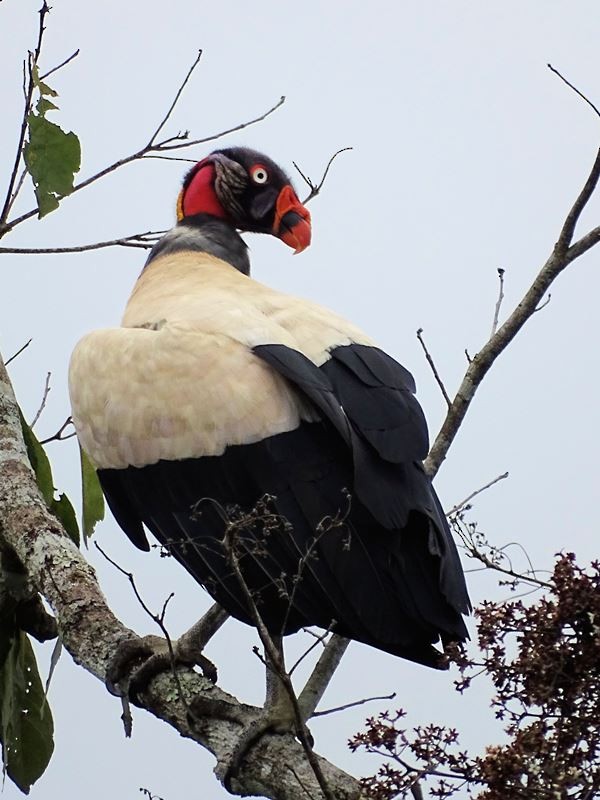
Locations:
351 535
366 414
388 438
377 394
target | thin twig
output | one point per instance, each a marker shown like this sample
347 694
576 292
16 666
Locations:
275 659
58 436
178 94
431 363
152 147
575 89
149 794
315 188
18 353
157 618
17 189
455 509
316 643
498 302
354 704
143 241
164 608
60 66
474 552
178 145
44 399
544 304
172 158
29 88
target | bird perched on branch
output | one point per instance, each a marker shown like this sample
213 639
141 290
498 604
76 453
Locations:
267 443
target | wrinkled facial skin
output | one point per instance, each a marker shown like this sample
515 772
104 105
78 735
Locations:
249 190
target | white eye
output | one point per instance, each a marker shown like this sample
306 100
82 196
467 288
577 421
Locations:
259 174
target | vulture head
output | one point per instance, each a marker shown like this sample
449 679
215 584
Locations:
248 190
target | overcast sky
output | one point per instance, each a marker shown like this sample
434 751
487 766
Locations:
467 154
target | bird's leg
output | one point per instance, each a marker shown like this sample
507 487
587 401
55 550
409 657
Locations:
279 715
139 659
319 679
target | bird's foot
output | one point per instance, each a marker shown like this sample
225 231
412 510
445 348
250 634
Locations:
273 719
138 660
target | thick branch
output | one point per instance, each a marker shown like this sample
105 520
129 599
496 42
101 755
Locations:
91 632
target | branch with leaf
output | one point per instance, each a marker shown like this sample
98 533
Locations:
40 533
52 157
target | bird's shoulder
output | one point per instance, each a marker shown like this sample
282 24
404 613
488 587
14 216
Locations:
199 292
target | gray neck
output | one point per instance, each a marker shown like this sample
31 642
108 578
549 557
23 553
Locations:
205 234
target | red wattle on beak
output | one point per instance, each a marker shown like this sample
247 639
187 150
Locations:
292 220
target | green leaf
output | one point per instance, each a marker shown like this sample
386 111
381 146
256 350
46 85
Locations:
42 87
26 727
92 497
63 509
43 105
52 158
39 462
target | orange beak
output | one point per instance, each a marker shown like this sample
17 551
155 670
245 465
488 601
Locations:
292 220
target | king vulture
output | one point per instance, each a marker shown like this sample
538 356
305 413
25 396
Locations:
221 401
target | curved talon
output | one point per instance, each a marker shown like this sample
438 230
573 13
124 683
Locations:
138 660
244 744
208 669
130 652
269 723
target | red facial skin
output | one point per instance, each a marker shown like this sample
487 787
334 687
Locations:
200 198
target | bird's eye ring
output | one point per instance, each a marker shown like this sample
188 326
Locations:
259 174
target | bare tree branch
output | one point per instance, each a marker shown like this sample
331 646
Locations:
59 66
575 89
568 230
58 436
498 302
28 91
143 241
562 255
42 406
91 632
459 506
178 94
17 189
315 687
315 188
431 363
177 142
19 351
362 702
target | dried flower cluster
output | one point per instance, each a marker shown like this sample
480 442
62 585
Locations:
544 662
